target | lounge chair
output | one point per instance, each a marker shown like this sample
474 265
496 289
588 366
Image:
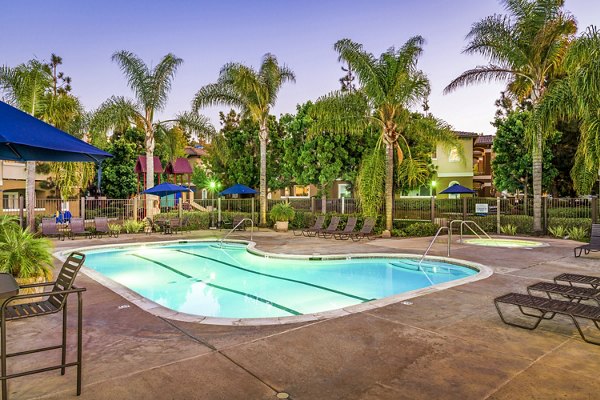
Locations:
546 309
56 301
588 280
77 227
236 223
50 229
332 227
316 226
365 232
593 245
101 227
175 225
570 292
348 229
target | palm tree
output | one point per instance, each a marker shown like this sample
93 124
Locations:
389 86
151 87
525 48
253 92
575 97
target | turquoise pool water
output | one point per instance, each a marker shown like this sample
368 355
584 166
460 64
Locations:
203 279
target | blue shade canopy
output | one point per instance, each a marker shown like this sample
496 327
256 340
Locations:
238 189
26 138
457 189
165 189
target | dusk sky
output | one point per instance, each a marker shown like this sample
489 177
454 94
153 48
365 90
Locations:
300 33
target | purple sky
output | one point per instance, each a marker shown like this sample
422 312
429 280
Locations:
300 33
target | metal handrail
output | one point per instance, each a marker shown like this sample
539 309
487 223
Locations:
466 223
235 227
431 244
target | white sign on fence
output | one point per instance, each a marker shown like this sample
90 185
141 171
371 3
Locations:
481 209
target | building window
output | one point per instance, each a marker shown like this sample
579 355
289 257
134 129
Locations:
453 156
301 191
10 201
343 190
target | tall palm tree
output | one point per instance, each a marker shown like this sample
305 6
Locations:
575 97
389 86
253 92
525 48
151 87
26 87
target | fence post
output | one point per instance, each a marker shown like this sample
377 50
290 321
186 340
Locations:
219 211
498 221
432 209
82 208
545 213
594 210
464 208
313 204
135 208
21 206
324 204
343 205
252 209
180 209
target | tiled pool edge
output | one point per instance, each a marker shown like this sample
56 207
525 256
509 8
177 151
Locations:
164 312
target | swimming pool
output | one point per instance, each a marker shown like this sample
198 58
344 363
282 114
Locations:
204 279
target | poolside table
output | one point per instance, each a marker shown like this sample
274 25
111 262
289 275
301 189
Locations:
8 286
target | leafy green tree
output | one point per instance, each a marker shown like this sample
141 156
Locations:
575 98
119 180
525 48
512 165
151 87
389 86
254 92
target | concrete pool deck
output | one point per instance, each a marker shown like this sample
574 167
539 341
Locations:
449 344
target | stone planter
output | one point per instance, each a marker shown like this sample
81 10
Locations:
29 281
281 226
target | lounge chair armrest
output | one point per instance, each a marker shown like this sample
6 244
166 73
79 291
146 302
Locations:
31 285
43 294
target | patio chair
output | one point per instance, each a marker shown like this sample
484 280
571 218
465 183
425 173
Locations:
332 227
593 245
349 228
365 232
50 229
56 301
316 226
175 225
236 222
77 227
546 309
588 280
101 227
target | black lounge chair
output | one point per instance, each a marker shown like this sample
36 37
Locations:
316 226
332 227
101 227
573 293
50 228
56 301
175 225
365 232
593 245
546 309
348 229
593 281
236 223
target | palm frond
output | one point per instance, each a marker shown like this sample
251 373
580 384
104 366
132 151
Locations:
340 112
195 124
487 73
116 113
136 72
161 80
220 93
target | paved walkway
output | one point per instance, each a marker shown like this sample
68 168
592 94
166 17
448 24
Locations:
445 345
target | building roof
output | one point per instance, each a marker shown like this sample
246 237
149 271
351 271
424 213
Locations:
181 166
463 134
140 165
485 140
195 151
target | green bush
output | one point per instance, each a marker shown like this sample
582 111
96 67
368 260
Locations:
509 229
191 220
302 220
568 223
558 231
577 212
131 226
419 229
578 233
282 212
523 223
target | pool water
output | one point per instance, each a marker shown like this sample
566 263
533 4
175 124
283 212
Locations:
511 243
202 278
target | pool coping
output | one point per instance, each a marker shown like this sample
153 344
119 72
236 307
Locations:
164 312
504 237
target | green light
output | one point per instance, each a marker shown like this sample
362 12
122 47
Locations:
433 183
212 184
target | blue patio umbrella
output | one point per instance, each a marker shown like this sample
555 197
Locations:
238 188
26 138
457 189
165 189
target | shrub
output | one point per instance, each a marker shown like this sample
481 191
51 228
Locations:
419 229
282 212
575 212
115 228
302 220
192 220
577 233
524 223
22 254
558 231
132 226
568 223
509 229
